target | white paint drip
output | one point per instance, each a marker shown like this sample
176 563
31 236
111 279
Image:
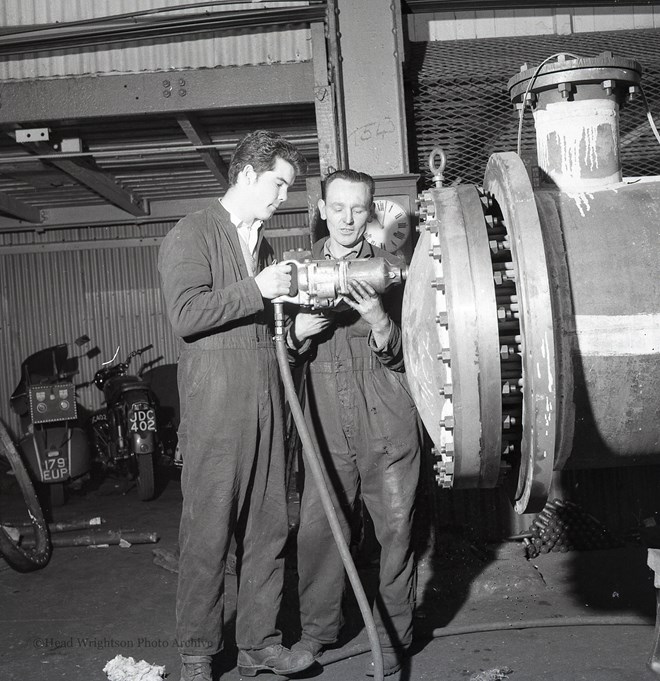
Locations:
581 201
575 126
551 378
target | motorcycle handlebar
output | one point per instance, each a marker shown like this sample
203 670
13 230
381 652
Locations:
136 353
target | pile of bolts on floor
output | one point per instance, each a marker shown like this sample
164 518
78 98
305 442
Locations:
563 526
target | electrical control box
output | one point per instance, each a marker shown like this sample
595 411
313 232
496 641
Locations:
52 402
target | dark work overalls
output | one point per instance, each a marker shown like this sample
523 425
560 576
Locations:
230 435
365 423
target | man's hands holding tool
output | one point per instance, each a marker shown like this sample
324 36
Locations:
274 280
365 300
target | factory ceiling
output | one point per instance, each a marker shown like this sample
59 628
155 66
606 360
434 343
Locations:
151 165
145 146
66 164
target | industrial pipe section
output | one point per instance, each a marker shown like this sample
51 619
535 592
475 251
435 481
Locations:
531 315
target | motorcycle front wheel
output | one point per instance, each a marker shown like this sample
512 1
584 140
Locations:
19 558
146 483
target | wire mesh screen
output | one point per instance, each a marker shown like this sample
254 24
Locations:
460 100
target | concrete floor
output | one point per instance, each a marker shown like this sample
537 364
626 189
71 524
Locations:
91 604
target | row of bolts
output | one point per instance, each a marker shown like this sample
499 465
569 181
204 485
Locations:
510 339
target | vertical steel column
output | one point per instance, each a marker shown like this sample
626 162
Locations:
372 53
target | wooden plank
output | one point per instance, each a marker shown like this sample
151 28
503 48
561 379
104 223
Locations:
418 26
504 23
34 173
583 20
198 136
159 211
102 184
324 104
533 22
613 18
93 179
317 228
526 20
485 24
644 16
47 99
442 27
427 6
465 25
563 21
18 209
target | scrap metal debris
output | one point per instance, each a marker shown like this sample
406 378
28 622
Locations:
166 559
492 675
122 668
97 537
80 532
170 560
564 526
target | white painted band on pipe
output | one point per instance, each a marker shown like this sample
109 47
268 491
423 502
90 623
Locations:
605 335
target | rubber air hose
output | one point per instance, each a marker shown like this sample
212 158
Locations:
313 462
581 621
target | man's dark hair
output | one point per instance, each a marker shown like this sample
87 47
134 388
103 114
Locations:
351 176
261 149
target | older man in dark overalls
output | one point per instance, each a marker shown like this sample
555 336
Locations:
363 417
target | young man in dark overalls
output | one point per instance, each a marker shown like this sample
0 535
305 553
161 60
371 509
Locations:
218 278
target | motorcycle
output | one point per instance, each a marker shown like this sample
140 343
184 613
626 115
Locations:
53 441
125 432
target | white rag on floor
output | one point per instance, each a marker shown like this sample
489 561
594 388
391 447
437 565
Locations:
123 668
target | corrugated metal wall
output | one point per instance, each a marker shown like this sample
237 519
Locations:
56 287
28 12
522 22
255 46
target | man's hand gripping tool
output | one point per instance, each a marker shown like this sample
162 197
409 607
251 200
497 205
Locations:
320 284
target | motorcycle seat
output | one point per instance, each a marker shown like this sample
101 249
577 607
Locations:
49 365
120 385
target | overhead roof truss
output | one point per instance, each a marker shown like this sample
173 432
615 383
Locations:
186 97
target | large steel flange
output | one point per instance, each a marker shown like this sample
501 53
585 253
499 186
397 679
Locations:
450 337
507 184
574 78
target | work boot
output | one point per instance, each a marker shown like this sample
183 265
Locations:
276 659
307 645
391 663
196 668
